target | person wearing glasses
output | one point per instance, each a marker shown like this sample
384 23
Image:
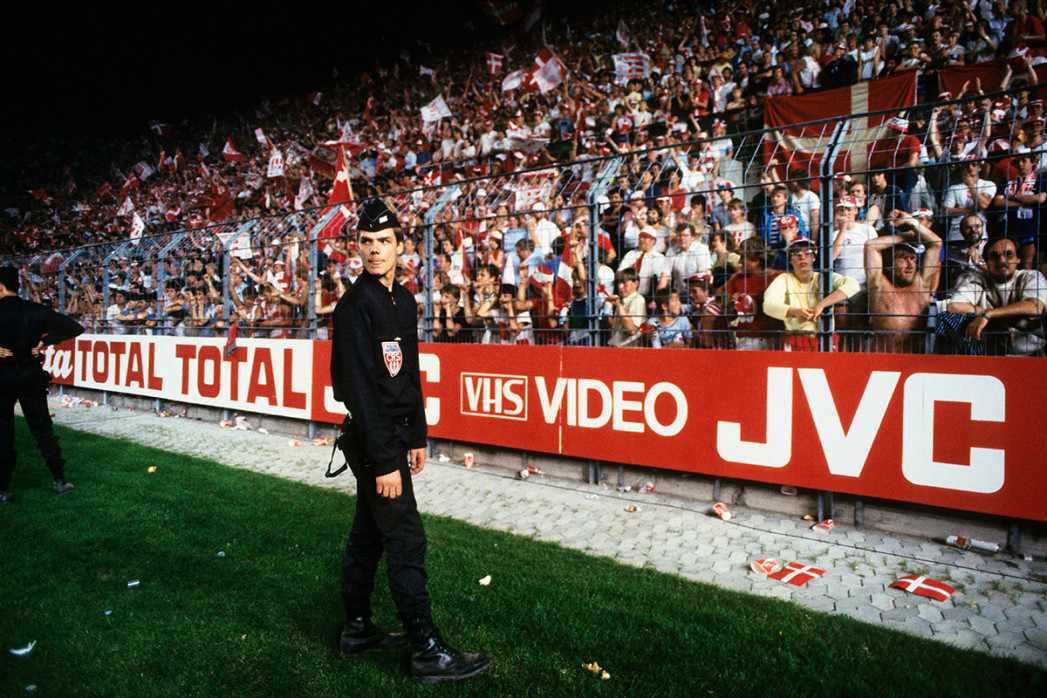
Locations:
794 297
1001 307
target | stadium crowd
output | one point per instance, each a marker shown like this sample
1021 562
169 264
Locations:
687 254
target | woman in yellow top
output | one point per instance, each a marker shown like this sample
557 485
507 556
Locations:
793 297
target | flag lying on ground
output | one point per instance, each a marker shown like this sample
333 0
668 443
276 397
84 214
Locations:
796 574
802 145
924 586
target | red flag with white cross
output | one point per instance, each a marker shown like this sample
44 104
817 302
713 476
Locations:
797 574
924 586
494 63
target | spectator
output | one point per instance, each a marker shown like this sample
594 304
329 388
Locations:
970 195
725 260
900 289
629 310
771 223
896 154
793 297
687 257
648 263
963 257
1000 310
670 328
753 330
1022 200
706 313
803 200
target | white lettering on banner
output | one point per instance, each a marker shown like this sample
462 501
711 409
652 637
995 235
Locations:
271 376
429 366
58 362
330 404
776 451
494 395
591 404
987 397
846 452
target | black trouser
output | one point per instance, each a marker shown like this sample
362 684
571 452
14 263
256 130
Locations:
392 526
26 385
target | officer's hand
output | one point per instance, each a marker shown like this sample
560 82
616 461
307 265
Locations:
5 352
416 460
389 486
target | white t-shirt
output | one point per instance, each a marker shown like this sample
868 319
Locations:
851 261
959 196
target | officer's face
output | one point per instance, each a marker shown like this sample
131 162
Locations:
379 250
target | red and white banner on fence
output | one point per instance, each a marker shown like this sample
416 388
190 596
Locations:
954 432
803 145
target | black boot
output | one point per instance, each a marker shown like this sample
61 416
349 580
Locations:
63 486
432 660
361 636
6 497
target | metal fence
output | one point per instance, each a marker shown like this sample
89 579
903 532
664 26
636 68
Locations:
539 256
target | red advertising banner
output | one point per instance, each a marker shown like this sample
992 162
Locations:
954 432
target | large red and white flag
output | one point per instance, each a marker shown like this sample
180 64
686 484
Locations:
436 110
339 200
549 71
276 165
631 65
796 574
126 208
924 586
802 145
623 34
494 62
501 12
230 153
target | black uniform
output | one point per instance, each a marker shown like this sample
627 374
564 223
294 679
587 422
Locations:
374 371
23 325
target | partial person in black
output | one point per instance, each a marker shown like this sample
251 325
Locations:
375 373
25 328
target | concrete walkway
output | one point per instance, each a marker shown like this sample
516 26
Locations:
1000 604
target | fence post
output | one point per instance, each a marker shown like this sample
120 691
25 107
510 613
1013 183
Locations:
592 267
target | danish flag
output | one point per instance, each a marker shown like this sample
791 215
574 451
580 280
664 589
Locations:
796 574
494 62
924 586
159 128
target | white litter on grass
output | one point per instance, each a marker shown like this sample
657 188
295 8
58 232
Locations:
485 581
133 583
262 431
221 553
23 651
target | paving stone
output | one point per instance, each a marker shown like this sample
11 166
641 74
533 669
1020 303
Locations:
982 625
930 613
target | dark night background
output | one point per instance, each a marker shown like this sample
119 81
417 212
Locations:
96 70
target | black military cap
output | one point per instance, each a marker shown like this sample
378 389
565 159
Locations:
375 216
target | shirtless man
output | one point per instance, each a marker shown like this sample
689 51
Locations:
899 290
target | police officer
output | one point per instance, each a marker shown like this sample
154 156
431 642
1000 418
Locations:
374 371
25 328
